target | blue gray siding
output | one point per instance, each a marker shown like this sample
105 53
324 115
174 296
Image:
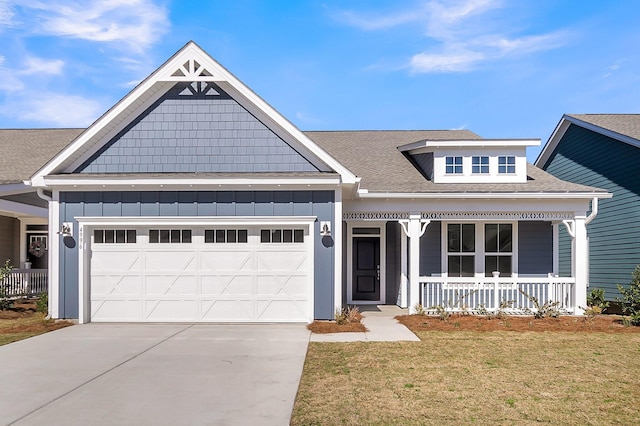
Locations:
425 163
589 158
535 247
10 240
196 131
200 203
392 275
430 250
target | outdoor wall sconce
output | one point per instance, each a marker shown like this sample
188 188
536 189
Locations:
67 229
325 228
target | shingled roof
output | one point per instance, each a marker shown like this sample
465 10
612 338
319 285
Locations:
374 157
24 151
623 124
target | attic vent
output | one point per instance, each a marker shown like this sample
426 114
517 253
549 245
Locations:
191 68
199 88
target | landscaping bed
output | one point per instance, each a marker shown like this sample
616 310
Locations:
22 321
600 323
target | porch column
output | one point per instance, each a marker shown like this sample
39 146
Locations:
404 282
580 262
556 248
414 261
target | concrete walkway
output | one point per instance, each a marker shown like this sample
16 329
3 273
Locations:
382 326
154 374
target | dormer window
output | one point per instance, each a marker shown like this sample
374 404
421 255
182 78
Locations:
506 164
453 165
480 165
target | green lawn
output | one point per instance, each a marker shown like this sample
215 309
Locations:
470 377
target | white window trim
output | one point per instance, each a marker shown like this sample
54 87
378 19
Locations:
479 243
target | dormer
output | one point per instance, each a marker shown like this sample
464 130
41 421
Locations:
471 161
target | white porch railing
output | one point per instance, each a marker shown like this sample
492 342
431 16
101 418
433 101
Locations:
25 282
508 294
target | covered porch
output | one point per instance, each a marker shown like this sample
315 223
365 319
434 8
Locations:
510 261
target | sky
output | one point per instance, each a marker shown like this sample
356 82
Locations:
500 68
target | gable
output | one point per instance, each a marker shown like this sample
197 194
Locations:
196 127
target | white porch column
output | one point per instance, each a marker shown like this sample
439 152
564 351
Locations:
404 282
556 248
414 261
580 261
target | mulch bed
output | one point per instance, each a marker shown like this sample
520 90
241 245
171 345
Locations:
22 317
324 327
601 324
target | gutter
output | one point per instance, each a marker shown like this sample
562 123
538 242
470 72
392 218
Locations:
594 211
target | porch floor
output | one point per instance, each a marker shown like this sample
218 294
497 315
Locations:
380 323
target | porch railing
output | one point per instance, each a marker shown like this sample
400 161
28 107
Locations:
510 295
25 282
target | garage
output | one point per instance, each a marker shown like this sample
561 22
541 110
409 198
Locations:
207 273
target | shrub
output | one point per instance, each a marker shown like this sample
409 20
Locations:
630 300
547 309
5 303
596 299
350 314
419 309
42 304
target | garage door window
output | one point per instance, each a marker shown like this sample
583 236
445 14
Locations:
114 236
164 236
225 236
282 236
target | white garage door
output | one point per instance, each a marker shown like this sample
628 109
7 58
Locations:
208 274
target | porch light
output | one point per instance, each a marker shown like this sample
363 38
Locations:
325 228
66 230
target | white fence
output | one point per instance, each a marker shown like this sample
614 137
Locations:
510 294
25 283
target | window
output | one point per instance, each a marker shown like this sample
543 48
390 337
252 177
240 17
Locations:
225 236
498 243
461 247
506 164
480 165
453 165
281 235
114 236
164 236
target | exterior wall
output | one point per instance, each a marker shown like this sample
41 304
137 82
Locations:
589 158
425 163
431 250
206 131
392 275
10 240
535 248
206 204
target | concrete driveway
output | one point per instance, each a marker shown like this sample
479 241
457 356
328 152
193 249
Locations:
153 374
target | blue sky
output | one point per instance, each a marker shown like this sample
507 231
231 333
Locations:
501 68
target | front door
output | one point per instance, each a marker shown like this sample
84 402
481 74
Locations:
37 250
366 269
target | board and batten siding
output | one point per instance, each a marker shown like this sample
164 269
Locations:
206 204
10 241
535 248
431 250
589 158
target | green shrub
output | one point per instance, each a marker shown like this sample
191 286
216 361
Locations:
596 299
5 303
547 309
630 300
42 304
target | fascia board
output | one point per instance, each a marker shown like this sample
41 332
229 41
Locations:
551 144
472 143
480 195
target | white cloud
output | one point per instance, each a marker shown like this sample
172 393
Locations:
35 65
54 109
136 24
6 13
466 33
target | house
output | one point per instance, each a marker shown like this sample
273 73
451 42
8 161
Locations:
192 199
602 150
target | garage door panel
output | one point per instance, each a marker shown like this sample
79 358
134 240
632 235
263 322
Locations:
201 281
166 309
106 285
167 261
226 260
180 284
228 310
116 310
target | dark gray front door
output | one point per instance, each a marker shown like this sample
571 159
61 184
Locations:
366 268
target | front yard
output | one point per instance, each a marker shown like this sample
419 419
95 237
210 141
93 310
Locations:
21 321
462 377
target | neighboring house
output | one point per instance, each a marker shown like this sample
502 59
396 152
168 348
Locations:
602 150
194 200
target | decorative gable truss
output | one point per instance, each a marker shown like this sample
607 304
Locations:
196 74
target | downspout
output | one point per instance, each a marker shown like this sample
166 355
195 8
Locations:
594 211
48 199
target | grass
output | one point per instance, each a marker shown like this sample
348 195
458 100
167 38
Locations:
22 322
468 377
